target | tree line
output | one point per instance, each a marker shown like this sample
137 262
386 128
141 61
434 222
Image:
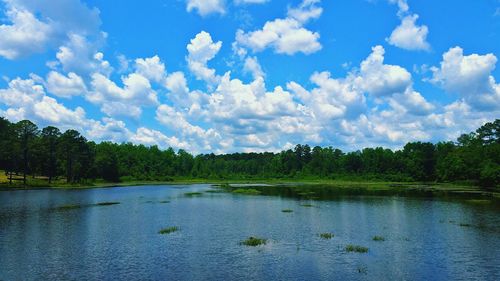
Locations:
26 151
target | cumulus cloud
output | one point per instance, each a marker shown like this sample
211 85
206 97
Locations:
201 50
24 36
380 79
470 77
136 91
81 56
408 35
151 68
27 99
36 25
206 7
288 35
253 67
65 86
152 137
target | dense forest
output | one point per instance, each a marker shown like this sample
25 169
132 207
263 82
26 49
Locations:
26 151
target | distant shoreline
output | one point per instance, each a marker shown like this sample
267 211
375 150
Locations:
339 187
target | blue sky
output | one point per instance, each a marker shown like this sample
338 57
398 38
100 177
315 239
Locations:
252 75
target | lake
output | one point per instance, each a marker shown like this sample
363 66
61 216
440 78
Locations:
425 239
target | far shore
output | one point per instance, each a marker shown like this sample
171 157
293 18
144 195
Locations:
340 187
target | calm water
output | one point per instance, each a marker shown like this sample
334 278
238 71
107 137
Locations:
424 238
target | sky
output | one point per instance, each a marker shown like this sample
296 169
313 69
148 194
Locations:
252 75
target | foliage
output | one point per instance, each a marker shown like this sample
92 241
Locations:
253 242
169 230
326 235
68 156
356 249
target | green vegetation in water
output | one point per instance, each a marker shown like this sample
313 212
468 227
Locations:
356 249
191 194
68 207
287 211
465 225
214 191
307 205
169 230
326 235
378 238
106 203
478 202
247 191
253 242
164 202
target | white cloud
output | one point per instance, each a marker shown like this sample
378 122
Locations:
81 56
470 77
380 79
37 25
408 35
25 36
201 50
26 99
108 130
253 67
152 137
206 7
65 86
151 68
286 36
136 91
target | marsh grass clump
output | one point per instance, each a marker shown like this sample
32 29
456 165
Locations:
465 225
191 194
378 238
307 205
68 207
247 191
214 191
253 241
287 211
169 230
164 202
326 235
356 249
106 203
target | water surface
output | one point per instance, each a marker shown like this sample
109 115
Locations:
424 239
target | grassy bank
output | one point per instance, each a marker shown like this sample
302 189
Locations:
301 188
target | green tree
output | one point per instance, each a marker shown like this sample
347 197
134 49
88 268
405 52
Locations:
27 132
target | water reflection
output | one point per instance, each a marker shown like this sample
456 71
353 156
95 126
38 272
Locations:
424 239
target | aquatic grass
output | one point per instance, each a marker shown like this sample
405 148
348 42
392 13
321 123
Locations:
378 238
247 191
307 205
192 194
253 241
68 207
106 203
214 191
169 230
287 211
465 225
478 201
164 202
326 235
356 249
